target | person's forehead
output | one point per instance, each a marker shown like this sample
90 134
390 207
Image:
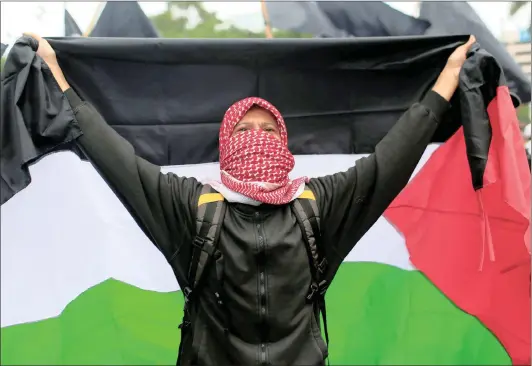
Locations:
258 114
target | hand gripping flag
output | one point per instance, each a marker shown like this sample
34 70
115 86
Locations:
466 215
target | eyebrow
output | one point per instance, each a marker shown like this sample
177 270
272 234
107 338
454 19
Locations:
262 123
242 123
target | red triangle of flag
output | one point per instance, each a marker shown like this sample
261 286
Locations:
475 245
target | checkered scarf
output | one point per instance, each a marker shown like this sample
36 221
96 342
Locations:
254 163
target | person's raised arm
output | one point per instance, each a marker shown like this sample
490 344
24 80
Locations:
351 202
162 204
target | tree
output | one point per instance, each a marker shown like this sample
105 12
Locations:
189 19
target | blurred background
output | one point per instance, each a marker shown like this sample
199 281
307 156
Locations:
502 28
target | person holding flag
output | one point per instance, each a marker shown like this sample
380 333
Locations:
255 251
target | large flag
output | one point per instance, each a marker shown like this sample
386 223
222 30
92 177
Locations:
86 286
458 17
344 18
123 19
3 48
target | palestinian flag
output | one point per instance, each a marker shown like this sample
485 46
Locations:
82 284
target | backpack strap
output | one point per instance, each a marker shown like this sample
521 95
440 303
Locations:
209 218
307 215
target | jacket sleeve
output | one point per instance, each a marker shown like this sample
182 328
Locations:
351 202
162 204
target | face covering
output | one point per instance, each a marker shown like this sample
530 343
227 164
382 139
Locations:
254 163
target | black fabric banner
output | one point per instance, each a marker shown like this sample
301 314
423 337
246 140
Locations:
337 96
36 117
168 96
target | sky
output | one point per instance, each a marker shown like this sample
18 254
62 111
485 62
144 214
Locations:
46 18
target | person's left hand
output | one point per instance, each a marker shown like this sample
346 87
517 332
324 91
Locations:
447 82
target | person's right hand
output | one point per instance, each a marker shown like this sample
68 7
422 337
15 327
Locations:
448 80
47 53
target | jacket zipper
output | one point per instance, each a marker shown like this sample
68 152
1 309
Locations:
262 289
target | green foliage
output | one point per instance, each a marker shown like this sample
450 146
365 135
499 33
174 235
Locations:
178 22
523 114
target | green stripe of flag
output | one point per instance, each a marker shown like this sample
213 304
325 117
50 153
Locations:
377 314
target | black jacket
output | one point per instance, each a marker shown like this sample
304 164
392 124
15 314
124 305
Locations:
266 272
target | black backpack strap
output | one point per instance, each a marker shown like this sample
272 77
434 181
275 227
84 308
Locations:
307 214
209 217
209 220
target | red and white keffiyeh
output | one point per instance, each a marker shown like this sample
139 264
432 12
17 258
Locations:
254 163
